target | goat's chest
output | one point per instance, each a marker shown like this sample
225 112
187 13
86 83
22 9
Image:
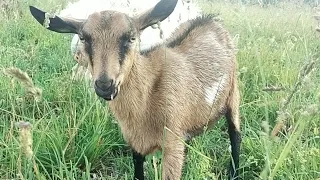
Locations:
139 131
142 138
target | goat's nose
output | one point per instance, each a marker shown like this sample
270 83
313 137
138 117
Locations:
103 84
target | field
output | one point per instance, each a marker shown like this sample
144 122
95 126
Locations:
75 137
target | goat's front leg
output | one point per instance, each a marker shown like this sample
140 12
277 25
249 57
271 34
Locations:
138 161
173 157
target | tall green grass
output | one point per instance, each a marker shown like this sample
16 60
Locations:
75 137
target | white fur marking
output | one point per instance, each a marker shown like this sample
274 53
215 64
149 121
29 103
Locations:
211 93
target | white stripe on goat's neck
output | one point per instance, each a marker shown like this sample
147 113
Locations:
211 93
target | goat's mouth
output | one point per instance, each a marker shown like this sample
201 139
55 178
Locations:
107 95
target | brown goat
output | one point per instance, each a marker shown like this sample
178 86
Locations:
184 85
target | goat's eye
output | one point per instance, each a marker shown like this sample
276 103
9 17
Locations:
132 39
81 38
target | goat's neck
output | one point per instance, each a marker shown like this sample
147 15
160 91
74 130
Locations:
134 95
139 81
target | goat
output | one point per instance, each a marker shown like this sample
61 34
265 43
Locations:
159 95
184 10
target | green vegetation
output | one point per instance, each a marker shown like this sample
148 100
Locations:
74 136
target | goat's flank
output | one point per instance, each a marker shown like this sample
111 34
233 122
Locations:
185 84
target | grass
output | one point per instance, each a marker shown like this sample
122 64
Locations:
75 137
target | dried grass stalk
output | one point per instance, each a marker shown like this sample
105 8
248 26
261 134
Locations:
282 113
26 81
25 137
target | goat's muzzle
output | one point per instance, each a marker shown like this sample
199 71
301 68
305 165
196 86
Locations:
106 89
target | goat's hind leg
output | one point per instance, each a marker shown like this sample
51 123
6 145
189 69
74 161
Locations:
138 161
233 120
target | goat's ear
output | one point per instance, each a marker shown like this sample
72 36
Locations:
158 13
55 23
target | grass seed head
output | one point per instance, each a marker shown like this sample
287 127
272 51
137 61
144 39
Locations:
25 136
26 81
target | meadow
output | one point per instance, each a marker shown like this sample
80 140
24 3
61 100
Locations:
75 137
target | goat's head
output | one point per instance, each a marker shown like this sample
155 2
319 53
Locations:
109 41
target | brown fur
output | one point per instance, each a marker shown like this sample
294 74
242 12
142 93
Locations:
167 86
